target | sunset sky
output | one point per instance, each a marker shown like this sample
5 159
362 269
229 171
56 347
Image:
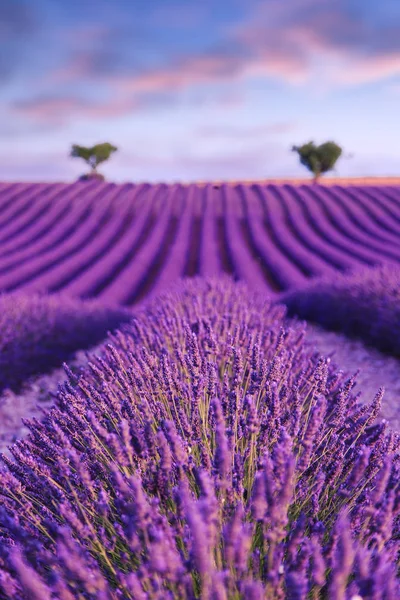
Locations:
197 89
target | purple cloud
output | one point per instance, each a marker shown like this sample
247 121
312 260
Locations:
313 41
352 47
60 111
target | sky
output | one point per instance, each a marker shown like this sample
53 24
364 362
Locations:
198 90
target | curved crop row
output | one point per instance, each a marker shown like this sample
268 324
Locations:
207 453
125 242
364 304
39 333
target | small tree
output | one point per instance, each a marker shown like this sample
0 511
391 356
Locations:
318 159
93 156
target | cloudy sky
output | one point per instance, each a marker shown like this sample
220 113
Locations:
197 89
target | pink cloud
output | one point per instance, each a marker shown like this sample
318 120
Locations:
317 41
123 96
311 43
271 45
52 110
59 111
193 71
362 70
214 69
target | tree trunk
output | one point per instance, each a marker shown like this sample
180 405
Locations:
92 164
316 178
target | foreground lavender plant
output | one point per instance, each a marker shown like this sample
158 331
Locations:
37 333
364 304
206 454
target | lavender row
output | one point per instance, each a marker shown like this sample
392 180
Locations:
85 284
23 248
308 262
364 304
39 333
247 267
21 203
30 274
31 215
53 237
56 239
175 261
41 235
210 262
313 232
65 271
378 210
128 282
204 453
297 229
283 270
365 222
353 225
334 228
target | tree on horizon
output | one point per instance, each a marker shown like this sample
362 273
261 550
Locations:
318 159
93 156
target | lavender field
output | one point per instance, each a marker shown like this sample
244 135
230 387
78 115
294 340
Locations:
203 448
124 243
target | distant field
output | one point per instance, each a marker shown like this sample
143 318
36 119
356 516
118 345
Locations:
323 181
211 447
123 243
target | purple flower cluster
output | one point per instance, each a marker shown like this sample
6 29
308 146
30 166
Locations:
365 304
206 453
38 333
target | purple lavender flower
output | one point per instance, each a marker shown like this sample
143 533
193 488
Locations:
209 465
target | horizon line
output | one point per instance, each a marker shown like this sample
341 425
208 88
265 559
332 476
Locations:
376 180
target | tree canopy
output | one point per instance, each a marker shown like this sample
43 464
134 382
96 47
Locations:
94 155
318 159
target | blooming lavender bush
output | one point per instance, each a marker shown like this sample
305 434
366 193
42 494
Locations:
365 304
206 453
38 333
